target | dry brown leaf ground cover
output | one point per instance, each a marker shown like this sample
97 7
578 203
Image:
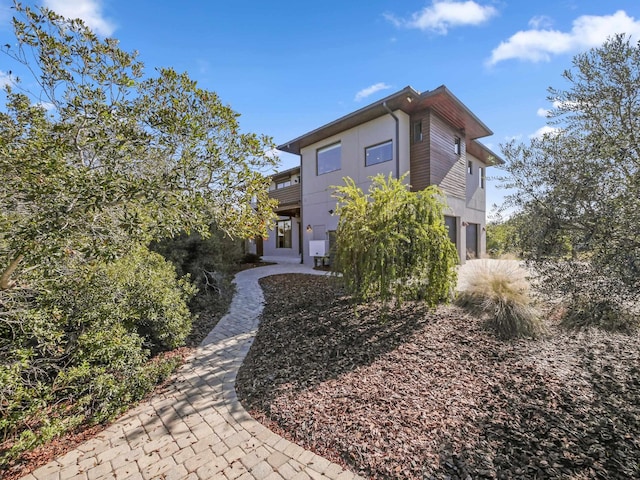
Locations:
431 394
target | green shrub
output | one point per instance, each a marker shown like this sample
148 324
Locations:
139 291
591 296
499 290
583 311
251 258
152 301
76 349
391 243
208 261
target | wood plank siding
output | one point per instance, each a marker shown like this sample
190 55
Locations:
433 160
448 169
287 196
419 152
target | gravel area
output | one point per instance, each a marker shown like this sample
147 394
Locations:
421 393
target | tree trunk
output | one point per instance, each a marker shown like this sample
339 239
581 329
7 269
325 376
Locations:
5 279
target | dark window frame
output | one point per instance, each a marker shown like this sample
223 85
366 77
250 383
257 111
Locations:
377 145
457 146
416 132
286 236
326 148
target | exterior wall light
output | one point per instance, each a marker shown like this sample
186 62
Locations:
309 229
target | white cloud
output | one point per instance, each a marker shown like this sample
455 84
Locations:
445 14
47 106
88 10
365 92
587 31
543 131
540 21
272 153
543 112
6 79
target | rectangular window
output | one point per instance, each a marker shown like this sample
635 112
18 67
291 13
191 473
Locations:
457 145
283 233
482 177
417 131
470 167
329 158
286 183
383 152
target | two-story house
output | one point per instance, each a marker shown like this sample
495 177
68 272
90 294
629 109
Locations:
431 136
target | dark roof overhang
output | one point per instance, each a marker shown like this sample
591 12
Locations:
484 154
441 101
285 173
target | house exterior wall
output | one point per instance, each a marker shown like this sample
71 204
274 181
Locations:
317 199
447 167
476 206
420 151
434 161
269 243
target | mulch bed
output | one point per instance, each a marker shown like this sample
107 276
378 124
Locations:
417 393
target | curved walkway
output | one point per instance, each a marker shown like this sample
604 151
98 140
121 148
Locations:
196 428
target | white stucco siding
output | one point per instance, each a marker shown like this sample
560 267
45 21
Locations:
269 243
317 191
476 195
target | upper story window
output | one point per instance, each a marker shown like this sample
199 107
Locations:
482 176
457 146
282 184
329 158
470 167
383 152
417 132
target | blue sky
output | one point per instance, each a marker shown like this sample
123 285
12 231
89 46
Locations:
291 66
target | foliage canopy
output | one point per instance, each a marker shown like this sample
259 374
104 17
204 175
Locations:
579 187
96 161
119 158
392 243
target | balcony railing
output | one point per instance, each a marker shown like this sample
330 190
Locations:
288 195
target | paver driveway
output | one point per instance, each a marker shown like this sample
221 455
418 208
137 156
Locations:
196 428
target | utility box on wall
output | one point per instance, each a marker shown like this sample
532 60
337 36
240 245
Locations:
318 248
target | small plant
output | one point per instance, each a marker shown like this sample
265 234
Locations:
584 311
251 258
500 290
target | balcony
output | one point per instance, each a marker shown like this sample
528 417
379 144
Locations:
289 198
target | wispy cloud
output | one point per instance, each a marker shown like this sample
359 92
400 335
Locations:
88 10
47 106
542 131
537 45
6 79
442 15
541 21
543 112
272 153
365 92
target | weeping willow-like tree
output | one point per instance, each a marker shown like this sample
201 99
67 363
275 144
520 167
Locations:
392 244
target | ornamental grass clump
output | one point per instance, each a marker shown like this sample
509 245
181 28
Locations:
499 290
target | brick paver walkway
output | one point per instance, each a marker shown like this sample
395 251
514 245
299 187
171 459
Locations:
196 428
